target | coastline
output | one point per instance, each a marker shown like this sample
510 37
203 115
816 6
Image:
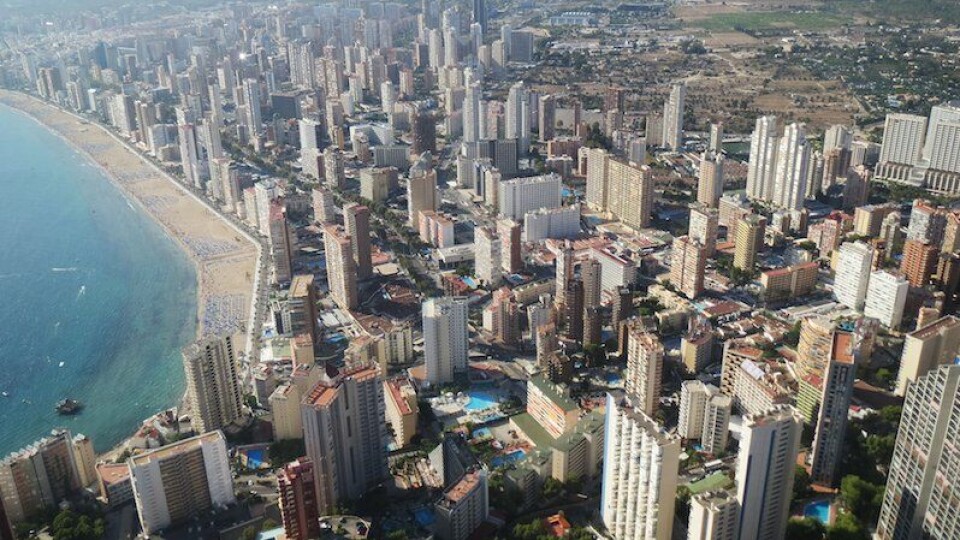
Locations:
225 258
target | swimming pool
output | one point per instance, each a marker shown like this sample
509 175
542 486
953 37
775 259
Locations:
480 400
424 516
507 459
819 510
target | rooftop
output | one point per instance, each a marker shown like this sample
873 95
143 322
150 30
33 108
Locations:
554 393
940 325
464 487
177 448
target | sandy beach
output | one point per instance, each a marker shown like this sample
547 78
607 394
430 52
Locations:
226 261
224 257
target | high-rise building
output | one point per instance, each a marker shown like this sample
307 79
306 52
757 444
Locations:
716 424
927 222
766 463
853 274
424 132
511 259
748 238
403 411
564 270
926 348
445 339
687 266
673 112
644 376
472 112
761 172
251 101
186 479
333 171
715 144
831 424
710 185
814 346
703 227
714 515
572 314
696 345
296 484
919 261
488 249
592 285
344 430
518 116
213 389
521 195
283 241
694 396
341 266
302 306
39 477
919 500
640 466
463 507
790 177
546 117
324 205
356 220
886 297
903 142
421 189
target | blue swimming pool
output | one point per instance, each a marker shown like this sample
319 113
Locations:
507 459
424 516
819 510
480 400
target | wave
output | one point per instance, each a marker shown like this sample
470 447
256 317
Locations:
70 269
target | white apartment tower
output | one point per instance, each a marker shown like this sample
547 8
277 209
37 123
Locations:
920 497
181 481
714 515
445 339
765 468
644 369
763 158
853 274
673 111
790 178
886 298
640 466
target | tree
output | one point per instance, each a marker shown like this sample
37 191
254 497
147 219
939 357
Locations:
269 524
801 483
285 451
847 527
249 533
804 529
528 531
861 497
551 487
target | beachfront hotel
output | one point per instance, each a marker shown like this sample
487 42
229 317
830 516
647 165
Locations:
182 480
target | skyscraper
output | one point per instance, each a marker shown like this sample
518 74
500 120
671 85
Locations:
282 242
518 116
564 270
480 13
790 177
298 500
488 249
710 186
714 515
644 375
251 100
344 429
831 424
926 348
703 227
472 112
748 238
356 219
546 117
673 112
341 266
213 389
886 297
640 466
919 261
180 481
920 497
590 274
421 189
765 469
853 274
762 169
445 339
687 267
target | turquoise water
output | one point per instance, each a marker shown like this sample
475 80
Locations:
819 510
507 459
86 280
480 400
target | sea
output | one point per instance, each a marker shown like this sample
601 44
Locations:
96 301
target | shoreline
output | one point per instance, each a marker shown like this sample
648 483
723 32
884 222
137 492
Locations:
222 254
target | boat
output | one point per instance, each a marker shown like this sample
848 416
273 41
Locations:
68 406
